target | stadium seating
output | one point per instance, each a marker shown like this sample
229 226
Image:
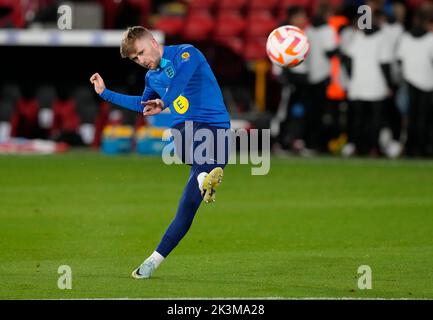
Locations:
198 25
415 3
13 13
262 4
201 4
236 44
232 4
101 121
170 25
10 92
86 105
8 97
145 8
255 49
65 115
45 95
24 122
260 23
229 23
290 3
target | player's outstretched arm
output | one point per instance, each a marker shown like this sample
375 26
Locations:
125 101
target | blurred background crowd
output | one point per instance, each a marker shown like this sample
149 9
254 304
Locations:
366 88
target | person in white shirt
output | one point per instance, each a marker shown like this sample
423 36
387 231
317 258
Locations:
394 31
368 63
416 55
323 45
346 36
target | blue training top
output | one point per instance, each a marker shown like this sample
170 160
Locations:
186 84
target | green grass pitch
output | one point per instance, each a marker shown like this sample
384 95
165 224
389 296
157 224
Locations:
301 231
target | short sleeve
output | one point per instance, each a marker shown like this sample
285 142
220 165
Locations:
386 53
401 48
431 47
329 40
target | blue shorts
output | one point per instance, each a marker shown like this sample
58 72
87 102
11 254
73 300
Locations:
198 143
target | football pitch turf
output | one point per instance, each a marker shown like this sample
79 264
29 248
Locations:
301 231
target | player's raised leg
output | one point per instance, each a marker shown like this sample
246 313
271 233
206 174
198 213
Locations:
202 182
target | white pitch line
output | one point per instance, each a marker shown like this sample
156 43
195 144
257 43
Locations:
248 298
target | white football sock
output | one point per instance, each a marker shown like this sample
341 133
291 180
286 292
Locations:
157 258
200 179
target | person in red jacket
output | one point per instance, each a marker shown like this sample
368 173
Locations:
24 121
66 121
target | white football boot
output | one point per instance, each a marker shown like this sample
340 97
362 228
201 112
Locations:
211 181
146 269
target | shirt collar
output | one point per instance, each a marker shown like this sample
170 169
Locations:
163 63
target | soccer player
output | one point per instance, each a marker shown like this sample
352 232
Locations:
181 79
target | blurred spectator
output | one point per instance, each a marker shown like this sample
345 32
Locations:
375 4
304 113
346 36
393 31
66 121
323 45
127 15
399 13
24 121
368 64
296 16
416 55
47 14
100 122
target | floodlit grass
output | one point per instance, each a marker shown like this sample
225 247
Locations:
301 231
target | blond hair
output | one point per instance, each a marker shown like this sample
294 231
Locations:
128 39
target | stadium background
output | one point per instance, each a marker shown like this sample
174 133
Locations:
301 231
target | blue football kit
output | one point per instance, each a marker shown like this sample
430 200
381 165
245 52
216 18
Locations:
186 84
